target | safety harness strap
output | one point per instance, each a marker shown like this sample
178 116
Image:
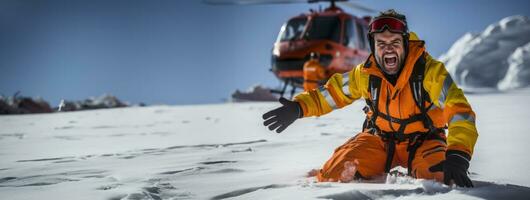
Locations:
374 91
420 97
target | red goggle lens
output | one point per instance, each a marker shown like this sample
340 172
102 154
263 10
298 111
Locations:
392 24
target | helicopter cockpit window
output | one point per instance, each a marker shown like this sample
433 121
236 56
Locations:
292 29
349 34
363 39
327 28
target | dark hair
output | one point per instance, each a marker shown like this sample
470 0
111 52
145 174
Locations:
391 13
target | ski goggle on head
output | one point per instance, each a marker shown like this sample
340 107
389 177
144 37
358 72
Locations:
391 24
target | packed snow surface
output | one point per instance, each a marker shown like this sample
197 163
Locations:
498 53
223 151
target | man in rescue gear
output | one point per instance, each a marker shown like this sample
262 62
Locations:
313 72
411 100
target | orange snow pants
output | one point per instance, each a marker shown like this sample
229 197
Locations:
370 152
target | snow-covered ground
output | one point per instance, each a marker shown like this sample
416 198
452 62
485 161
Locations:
223 151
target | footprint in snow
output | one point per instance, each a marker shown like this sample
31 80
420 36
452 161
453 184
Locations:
243 191
51 179
482 189
46 159
217 162
157 191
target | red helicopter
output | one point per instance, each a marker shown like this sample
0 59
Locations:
333 38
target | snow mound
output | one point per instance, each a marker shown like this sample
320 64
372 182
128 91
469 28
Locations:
254 93
23 105
482 60
103 101
518 74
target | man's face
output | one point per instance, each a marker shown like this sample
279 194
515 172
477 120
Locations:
389 51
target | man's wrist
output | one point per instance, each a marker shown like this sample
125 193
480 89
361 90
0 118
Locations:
458 158
299 108
459 154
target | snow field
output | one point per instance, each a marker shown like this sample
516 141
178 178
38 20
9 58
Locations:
223 151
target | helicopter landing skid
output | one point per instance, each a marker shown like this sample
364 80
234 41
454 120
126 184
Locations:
284 88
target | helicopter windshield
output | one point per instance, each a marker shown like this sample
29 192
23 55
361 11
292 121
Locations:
324 28
292 29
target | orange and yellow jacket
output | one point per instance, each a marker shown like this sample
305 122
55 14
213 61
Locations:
450 108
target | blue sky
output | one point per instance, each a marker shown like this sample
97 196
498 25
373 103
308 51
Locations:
180 52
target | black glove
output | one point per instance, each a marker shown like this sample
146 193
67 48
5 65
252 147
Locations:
454 168
283 116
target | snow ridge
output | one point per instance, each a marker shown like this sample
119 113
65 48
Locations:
518 74
483 60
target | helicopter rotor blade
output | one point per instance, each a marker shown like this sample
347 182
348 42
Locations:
251 2
357 6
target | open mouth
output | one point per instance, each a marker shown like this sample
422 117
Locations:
390 60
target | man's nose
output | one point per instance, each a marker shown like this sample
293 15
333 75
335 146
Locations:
389 48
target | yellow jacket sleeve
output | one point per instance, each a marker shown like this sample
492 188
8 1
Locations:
339 91
457 111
